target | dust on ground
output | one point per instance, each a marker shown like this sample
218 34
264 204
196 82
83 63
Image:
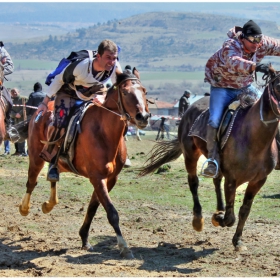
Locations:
50 245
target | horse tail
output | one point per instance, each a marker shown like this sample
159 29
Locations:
161 153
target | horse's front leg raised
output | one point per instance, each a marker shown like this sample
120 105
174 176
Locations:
48 205
251 191
102 192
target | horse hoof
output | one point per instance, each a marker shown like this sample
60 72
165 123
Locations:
241 248
126 253
88 248
218 216
198 223
23 212
46 207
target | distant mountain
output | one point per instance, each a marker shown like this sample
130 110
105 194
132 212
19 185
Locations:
155 40
94 12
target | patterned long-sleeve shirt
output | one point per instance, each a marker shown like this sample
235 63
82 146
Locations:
231 66
9 65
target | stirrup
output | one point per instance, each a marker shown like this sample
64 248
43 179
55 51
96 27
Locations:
217 168
53 174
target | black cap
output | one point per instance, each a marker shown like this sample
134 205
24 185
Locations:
187 92
250 28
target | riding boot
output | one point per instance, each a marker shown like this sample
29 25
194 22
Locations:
213 156
277 138
53 172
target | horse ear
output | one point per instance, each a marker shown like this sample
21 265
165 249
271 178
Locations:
118 72
136 73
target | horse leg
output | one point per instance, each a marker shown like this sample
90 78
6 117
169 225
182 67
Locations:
191 166
219 214
84 230
102 192
48 205
33 171
251 191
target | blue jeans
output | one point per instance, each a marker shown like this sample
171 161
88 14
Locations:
7 146
220 98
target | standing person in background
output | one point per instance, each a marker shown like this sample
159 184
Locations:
35 98
7 149
18 116
184 103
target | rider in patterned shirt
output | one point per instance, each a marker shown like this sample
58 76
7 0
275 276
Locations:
230 71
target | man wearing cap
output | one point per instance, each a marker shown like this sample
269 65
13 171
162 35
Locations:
230 71
184 103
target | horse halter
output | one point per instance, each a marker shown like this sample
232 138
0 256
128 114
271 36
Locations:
271 102
124 115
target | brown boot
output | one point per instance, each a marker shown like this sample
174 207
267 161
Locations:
213 157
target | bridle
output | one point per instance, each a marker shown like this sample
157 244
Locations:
124 116
268 85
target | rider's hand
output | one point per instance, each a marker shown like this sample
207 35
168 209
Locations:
263 68
43 107
97 88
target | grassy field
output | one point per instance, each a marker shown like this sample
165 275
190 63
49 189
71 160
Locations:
169 188
155 217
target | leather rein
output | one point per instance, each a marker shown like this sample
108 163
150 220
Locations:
270 94
124 116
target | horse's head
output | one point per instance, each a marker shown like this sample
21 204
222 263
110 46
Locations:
132 102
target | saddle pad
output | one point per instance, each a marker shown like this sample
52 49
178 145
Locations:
69 143
199 127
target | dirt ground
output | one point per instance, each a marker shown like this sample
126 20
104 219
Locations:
50 245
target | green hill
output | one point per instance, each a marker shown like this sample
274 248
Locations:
164 41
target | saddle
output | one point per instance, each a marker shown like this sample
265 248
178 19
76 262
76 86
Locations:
199 127
74 127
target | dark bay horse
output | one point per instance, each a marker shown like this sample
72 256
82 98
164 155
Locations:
100 152
249 155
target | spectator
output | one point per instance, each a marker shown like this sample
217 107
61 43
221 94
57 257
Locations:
18 115
184 103
35 98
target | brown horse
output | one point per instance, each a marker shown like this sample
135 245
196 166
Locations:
249 155
100 152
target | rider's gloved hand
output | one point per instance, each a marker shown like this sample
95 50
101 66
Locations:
263 68
97 88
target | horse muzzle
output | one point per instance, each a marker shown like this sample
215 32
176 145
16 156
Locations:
141 120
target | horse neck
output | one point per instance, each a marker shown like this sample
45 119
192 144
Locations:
111 102
253 123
